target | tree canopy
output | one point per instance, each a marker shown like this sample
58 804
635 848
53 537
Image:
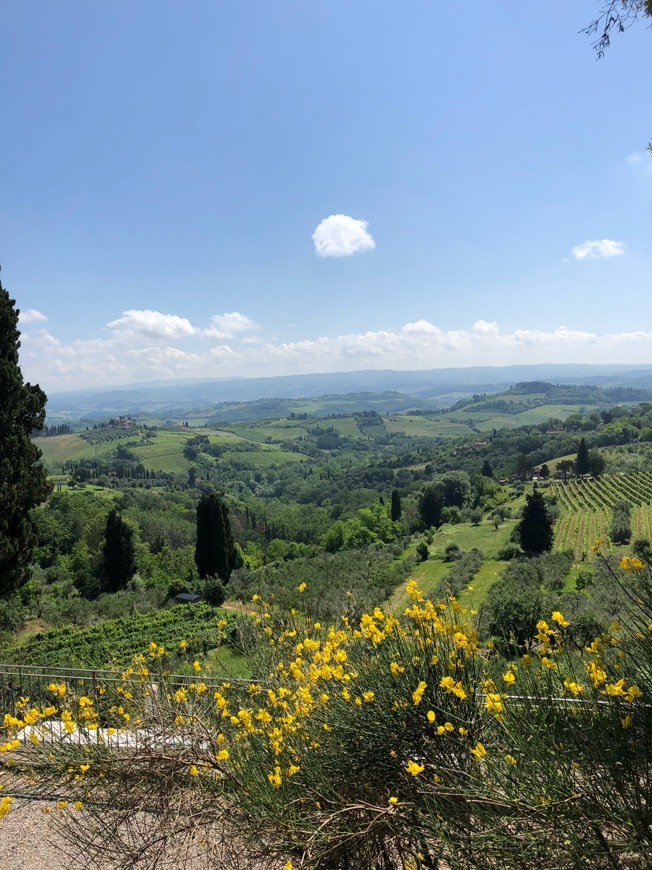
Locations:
23 480
615 17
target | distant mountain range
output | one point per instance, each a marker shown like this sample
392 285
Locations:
431 389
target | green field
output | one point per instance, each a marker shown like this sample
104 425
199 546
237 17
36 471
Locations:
427 427
428 574
165 451
281 430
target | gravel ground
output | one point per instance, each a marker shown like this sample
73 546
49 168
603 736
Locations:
29 840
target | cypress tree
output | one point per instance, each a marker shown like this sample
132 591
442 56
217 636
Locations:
582 461
23 479
487 470
215 554
119 554
535 529
396 509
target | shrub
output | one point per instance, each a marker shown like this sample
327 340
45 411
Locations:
388 742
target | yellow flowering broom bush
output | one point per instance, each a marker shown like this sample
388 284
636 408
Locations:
391 742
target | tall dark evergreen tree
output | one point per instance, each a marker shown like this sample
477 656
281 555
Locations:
582 461
396 509
215 554
535 529
118 555
23 479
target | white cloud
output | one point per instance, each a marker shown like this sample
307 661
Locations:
485 327
340 235
228 325
31 316
153 324
121 357
597 249
641 164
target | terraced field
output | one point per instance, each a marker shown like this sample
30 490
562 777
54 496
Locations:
586 509
66 448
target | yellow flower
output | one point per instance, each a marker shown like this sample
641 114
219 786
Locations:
430 716
413 768
275 777
455 688
222 755
302 587
575 688
479 751
559 619
193 770
5 803
196 666
393 801
368 696
632 694
493 703
615 689
417 695
509 677
510 759
395 668
288 865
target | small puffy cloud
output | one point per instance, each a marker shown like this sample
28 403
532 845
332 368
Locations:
153 324
640 163
485 327
598 249
228 325
31 316
340 235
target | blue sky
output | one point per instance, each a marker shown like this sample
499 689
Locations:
220 188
